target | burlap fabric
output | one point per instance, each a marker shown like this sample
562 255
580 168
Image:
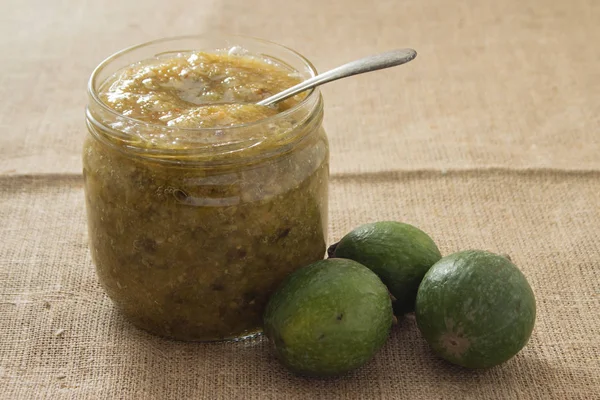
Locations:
490 139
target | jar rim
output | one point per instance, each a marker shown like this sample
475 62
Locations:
93 84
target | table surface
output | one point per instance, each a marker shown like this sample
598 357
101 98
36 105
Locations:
489 139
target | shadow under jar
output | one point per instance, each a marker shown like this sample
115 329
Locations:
198 210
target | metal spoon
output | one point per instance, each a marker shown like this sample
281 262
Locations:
367 64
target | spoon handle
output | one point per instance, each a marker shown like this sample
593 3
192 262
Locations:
367 64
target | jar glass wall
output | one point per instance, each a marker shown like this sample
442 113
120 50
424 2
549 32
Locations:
189 240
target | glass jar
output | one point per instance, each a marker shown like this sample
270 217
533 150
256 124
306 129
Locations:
189 242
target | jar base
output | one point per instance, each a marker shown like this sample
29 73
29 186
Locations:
235 338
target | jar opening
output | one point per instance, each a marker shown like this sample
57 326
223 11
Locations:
132 132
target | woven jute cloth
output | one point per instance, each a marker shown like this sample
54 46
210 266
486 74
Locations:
490 139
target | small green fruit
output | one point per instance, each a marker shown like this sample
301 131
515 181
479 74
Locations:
328 318
475 309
